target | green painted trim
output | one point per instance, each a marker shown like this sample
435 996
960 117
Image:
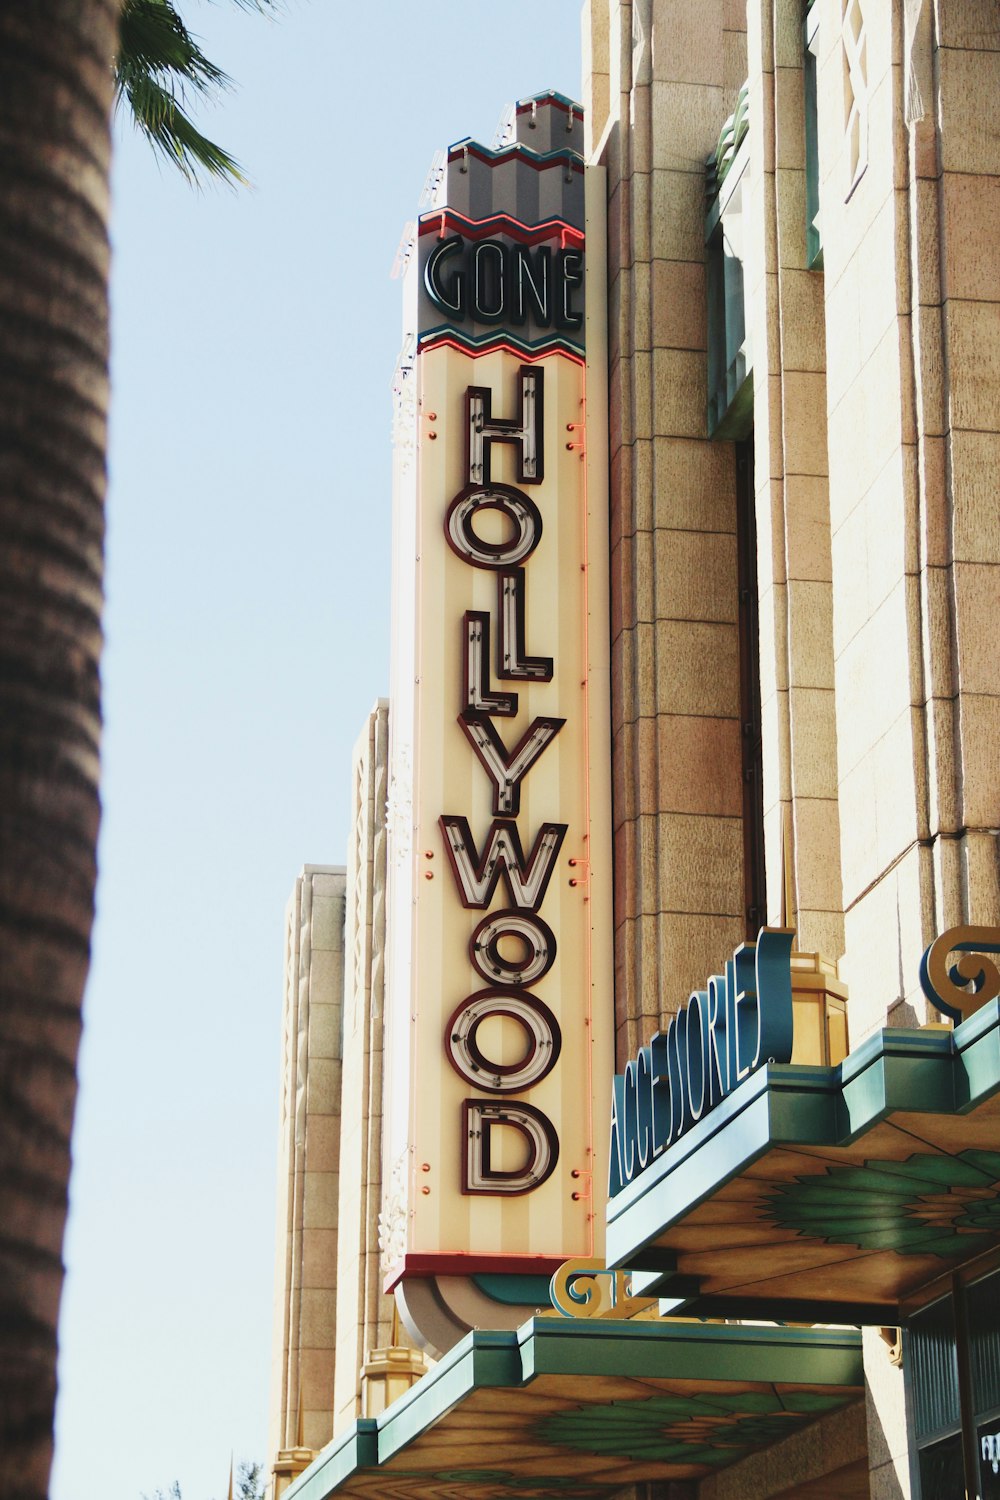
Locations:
900 1041
495 154
897 1070
810 64
736 421
718 203
977 1042
977 1080
550 94
514 1291
983 1020
483 1358
587 1350
787 1101
549 344
731 137
690 1351
683 1178
353 1450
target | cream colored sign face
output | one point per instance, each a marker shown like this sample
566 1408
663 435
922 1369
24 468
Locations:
502 969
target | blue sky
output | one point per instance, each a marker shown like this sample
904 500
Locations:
255 334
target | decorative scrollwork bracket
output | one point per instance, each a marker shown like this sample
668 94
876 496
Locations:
588 1289
960 988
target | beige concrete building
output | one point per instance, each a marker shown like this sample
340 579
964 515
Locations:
338 1350
803 434
858 206
305 1309
872 421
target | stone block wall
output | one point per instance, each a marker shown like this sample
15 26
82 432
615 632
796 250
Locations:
911 280
664 74
305 1306
364 1313
877 443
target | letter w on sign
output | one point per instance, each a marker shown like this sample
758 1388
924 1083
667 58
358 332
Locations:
477 875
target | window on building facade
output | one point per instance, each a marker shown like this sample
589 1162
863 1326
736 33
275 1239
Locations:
730 364
952 1371
730 416
749 632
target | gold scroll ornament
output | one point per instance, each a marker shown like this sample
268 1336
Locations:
964 986
588 1289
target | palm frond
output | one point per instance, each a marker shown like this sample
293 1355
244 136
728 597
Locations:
161 118
158 62
152 39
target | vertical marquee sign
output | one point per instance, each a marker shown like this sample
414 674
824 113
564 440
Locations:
500 985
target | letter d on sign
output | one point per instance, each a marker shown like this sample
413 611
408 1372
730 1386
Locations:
481 1118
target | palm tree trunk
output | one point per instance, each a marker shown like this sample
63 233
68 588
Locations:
55 97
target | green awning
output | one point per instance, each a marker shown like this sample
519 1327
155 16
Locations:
577 1410
826 1194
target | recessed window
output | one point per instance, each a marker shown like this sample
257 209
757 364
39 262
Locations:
748 625
951 1363
730 365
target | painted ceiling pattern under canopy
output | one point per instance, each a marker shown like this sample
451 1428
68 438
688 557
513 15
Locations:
560 1407
827 1194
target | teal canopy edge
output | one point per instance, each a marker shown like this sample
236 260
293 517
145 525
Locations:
599 1347
514 1290
787 1104
495 154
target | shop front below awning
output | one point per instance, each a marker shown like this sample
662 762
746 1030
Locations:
561 1409
826 1194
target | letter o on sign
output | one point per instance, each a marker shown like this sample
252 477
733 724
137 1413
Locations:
522 513
535 938
542 1036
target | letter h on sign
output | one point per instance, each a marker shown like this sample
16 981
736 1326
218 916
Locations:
483 429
